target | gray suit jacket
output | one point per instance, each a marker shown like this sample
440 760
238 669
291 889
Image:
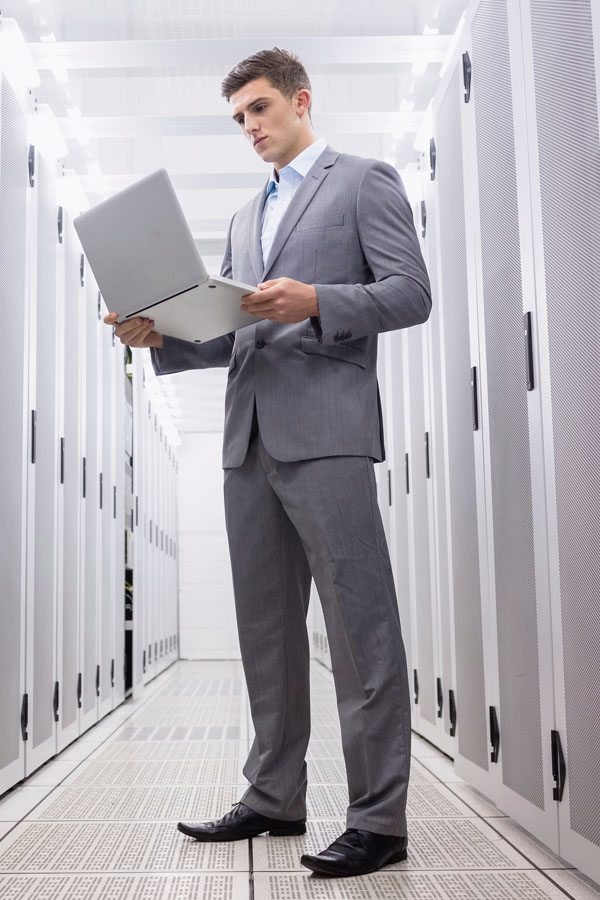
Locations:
348 231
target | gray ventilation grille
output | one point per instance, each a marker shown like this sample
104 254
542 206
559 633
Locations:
568 140
464 549
512 512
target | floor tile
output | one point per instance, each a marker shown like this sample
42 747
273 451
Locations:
136 803
5 827
69 847
479 804
158 772
503 885
443 844
539 855
148 887
580 887
419 747
20 801
52 773
443 768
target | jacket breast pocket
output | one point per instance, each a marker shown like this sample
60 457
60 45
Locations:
326 220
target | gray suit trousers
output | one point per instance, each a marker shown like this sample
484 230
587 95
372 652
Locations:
286 521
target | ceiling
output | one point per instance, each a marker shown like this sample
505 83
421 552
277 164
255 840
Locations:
135 85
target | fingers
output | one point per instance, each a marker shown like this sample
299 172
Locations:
134 331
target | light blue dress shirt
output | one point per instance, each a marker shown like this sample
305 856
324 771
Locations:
280 192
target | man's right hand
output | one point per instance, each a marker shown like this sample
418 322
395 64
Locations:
135 332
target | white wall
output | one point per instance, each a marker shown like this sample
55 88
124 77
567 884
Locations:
206 608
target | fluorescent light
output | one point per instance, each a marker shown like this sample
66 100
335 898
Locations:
48 36
48 132
428 30
452 46
73 112
17 61
407 105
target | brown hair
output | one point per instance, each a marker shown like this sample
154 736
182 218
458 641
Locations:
282 68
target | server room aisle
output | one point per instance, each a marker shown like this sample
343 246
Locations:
99 822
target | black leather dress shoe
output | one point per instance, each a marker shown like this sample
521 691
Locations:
241 822
357 852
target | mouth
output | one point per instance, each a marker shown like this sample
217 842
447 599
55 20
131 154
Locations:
259 141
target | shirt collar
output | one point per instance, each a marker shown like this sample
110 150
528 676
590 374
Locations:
301 163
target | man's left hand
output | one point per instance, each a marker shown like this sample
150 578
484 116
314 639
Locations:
282 300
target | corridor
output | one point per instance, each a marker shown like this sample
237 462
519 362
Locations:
99 820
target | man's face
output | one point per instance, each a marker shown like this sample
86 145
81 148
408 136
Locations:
270 121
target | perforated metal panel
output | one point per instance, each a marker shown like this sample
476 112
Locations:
73 477
173 749
124 887
140 802
425 800
464 539
568 140
418 504
13 190
444 844
409 886
175 772
46 469
114 847
508 426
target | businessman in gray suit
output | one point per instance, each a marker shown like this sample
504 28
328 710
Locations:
330 242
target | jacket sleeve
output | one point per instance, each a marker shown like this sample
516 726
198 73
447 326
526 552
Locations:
179 356
400 296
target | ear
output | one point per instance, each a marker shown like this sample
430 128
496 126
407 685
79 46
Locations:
303 98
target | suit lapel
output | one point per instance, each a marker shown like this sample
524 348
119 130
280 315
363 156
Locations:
256 215
311 183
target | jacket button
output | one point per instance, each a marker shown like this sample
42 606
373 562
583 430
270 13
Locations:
260 344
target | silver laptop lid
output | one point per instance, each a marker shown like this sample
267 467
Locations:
140 246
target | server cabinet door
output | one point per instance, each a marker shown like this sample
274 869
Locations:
520 641
436 449
73 383
423 615
42 675
106 609
14 416
118 513
139 643
94 488
396 443
564 154
458 359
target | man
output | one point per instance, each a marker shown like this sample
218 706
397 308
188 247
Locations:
331 244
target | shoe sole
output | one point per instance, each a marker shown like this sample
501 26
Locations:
273 832
322 868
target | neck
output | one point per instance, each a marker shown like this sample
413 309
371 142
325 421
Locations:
293 153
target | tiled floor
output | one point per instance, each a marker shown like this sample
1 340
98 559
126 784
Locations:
99 821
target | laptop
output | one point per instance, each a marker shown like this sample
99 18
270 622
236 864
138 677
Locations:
146 263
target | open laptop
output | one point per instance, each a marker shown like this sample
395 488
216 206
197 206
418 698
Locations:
146 263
